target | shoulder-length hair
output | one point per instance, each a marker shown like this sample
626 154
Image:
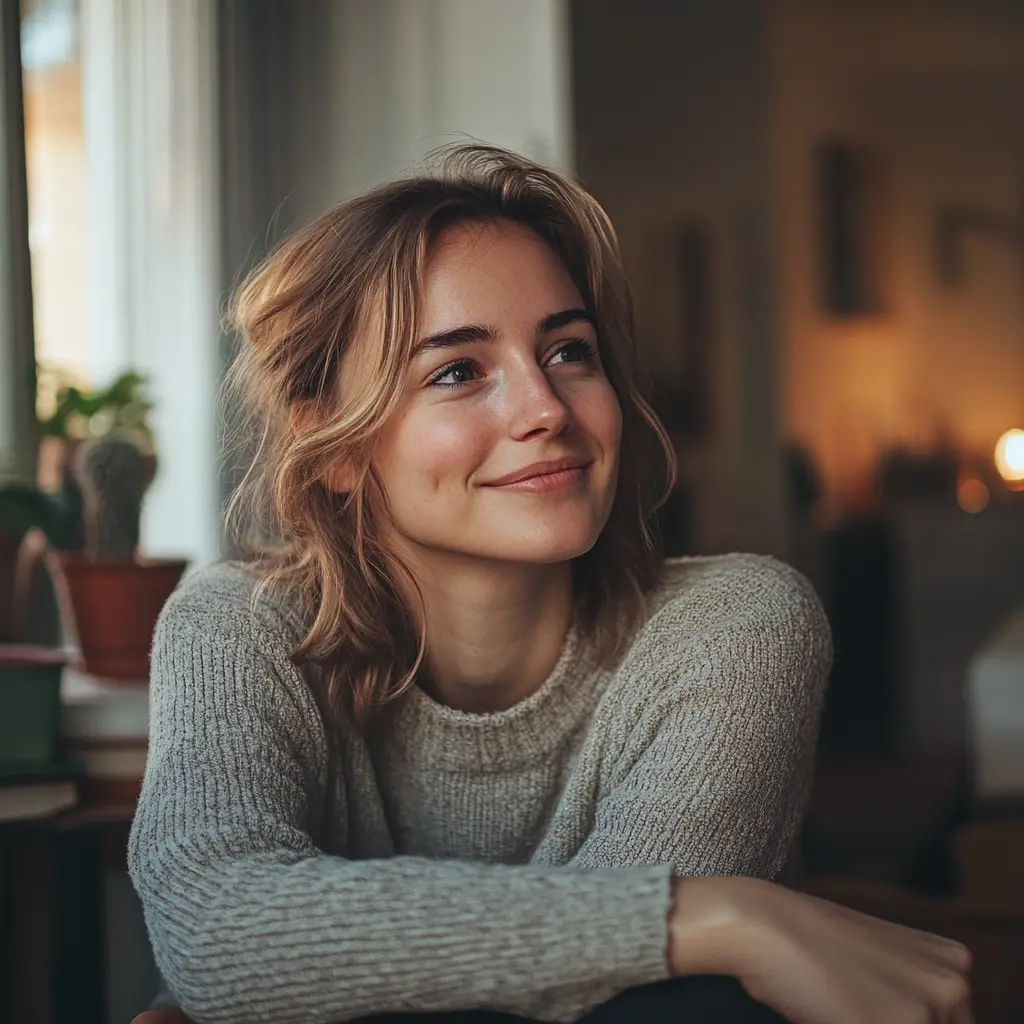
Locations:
357 273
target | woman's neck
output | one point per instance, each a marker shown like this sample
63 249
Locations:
494 632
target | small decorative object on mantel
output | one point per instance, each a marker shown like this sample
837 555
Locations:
110 596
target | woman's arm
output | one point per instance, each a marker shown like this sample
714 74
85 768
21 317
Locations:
707 744
250 921
712 774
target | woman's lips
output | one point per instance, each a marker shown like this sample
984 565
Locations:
547 483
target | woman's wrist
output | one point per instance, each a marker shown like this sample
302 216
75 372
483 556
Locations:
708 929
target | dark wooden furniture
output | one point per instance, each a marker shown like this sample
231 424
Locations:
52 926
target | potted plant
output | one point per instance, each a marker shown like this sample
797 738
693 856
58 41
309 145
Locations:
47 513
69 414
81 520
110 596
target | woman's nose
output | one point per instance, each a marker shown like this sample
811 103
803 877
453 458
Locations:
535 405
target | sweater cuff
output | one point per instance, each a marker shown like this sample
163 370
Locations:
633 905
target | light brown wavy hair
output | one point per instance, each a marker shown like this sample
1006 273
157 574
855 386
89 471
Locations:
355 277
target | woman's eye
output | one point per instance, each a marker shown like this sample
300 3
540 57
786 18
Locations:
581 350
463 372
460 372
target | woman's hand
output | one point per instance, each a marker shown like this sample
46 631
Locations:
813 961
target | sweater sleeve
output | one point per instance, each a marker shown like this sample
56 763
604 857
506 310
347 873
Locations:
707 746
709 758
248 920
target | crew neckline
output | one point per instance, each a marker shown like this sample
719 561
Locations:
439 736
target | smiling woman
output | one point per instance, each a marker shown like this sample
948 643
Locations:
454 738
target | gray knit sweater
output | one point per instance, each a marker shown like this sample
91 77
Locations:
519 860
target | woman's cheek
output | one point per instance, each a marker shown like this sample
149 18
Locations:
445 445
599 411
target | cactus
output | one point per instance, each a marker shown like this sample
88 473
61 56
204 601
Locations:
114 474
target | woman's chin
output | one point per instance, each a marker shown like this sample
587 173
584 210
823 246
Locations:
504 539
544 548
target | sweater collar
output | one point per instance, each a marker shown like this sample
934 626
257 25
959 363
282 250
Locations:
529 732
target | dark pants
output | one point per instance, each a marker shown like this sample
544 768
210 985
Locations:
702 1000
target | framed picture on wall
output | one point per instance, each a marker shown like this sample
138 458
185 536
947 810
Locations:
684 395
852 222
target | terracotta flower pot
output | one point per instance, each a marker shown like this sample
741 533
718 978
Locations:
110 610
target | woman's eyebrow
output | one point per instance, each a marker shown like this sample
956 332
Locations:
464 335
470 333
563 319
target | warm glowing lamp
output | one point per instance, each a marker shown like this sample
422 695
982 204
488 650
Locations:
1010 458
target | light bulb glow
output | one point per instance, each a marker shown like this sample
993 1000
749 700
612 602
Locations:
1010 456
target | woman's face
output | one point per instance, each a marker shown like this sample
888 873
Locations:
506 375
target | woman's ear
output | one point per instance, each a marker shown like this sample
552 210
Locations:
340 477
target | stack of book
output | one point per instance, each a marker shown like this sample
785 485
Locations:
105 725
37 780
38 789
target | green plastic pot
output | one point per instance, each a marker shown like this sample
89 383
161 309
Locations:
30 702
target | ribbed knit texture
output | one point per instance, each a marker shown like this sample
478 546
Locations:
518 861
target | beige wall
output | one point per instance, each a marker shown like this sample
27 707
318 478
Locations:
938 89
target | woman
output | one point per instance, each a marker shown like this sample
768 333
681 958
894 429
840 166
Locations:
457 739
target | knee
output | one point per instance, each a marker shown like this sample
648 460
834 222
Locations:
161 1017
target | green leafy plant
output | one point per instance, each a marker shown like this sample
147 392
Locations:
76 414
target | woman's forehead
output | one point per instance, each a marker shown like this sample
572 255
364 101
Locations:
492 269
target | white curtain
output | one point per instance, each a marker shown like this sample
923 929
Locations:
151 122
